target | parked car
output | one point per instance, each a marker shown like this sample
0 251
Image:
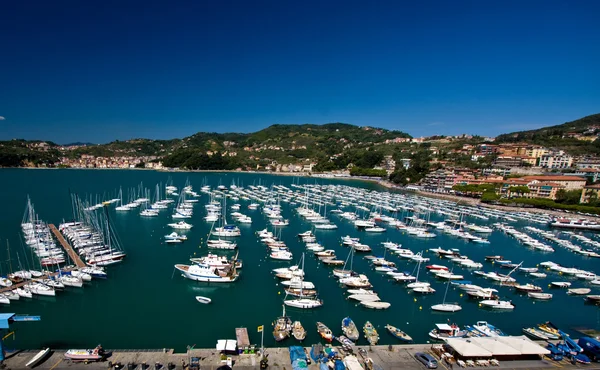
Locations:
427 360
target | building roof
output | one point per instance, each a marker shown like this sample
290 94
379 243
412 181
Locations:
4 319
555 178
495 346
525 345
498 346
467 348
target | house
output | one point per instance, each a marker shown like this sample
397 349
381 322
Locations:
589 193
543 189
556 160
568 182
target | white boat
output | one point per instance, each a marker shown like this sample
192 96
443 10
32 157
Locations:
539 295
364 297
182 225
38 357
304 302
497 304
561 284
446 307
376 305
206 273
579 291
202 299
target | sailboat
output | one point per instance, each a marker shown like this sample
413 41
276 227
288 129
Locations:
226 230
419 286
343 272
446 307
282 327
301 301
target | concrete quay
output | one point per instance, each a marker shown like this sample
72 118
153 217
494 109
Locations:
397 357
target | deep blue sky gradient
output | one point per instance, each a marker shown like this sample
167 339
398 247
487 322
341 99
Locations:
103 70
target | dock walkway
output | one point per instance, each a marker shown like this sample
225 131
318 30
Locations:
70 251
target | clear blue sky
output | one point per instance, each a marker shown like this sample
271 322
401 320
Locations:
102 70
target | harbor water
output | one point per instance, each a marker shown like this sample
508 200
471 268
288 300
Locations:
144 303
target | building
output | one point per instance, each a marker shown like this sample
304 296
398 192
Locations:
536 151
588 163
508 161
590 193
556 160
540 189
439 181
487 149
591 174
568 182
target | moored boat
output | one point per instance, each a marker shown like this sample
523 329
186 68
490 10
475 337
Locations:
371 333
349 329
324 331
399 334
298 331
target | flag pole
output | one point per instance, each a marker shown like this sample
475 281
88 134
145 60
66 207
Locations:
262 348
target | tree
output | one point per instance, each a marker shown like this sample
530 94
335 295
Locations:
568 196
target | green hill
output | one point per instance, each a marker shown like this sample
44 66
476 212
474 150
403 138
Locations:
281 143
573 137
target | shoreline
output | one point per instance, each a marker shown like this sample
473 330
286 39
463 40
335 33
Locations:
474 202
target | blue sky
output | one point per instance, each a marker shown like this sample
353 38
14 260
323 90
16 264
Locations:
98 71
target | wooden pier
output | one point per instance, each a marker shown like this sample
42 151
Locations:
241 335
70 251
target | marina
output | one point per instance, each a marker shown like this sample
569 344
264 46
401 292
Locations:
430 253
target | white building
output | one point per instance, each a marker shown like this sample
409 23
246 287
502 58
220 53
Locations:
556 160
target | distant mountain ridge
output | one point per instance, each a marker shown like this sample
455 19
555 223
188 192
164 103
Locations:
576 137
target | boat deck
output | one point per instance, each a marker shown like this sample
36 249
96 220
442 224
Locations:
241 335
67 247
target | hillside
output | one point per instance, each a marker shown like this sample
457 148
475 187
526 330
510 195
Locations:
575 137
282 143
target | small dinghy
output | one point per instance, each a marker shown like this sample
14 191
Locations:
38 357
579 291
535 333
399 334
540 295
376 305
204 300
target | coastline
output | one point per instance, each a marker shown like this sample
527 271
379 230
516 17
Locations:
383 183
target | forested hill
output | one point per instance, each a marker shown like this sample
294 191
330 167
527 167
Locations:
283 143
575 137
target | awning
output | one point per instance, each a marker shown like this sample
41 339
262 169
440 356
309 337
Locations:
466 348
495 346
444 327
229 345
525 345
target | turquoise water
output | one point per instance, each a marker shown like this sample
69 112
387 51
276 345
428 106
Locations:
144 304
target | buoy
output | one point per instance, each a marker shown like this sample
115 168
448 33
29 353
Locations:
461 294
415 299
420 307
278 292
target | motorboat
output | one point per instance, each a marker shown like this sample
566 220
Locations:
560 284
446 307
364 297
324 331
202 299
535 333
349 329
399 334
445 331
207 273
497 304
370 333
528 288
487 329
88 355
182 225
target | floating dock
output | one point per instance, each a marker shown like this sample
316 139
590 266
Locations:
67 247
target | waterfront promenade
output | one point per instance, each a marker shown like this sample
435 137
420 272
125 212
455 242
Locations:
397 357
